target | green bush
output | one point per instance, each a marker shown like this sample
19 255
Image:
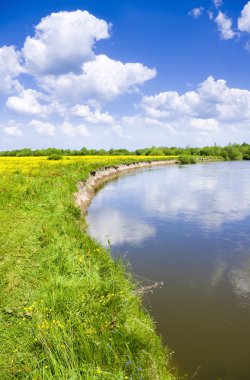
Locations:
55 156
185 159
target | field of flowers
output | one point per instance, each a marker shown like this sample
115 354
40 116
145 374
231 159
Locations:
33 164
67 310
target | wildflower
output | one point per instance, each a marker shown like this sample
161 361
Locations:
90 331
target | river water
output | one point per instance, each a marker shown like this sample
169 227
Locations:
188 226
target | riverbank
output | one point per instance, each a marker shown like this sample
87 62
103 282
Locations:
87 189
67 309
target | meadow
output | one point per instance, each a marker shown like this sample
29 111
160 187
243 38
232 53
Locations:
67 309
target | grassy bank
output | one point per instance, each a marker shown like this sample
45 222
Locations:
68 311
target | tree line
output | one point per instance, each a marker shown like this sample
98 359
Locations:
228 152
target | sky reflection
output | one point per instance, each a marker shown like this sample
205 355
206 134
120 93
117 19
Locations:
188 227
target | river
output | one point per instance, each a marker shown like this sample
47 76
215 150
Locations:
188 226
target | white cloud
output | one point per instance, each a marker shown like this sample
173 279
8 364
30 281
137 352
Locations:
61 58
209 125
247 46
56 108
218 3
27 103
43 128
196 12
169 104
210 15
211 107
101 78
95 117
63 41
222 102
69 79
74 130
119 131
244 19
224 25
12 129
10 68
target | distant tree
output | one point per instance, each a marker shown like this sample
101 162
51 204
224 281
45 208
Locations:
102 152
156 152
233 152
24 152
84 151
246 153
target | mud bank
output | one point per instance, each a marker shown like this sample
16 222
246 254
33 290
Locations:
87 189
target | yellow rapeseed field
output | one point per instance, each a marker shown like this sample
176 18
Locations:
32 164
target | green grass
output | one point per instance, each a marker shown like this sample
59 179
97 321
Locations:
68 311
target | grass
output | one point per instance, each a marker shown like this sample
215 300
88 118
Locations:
67 310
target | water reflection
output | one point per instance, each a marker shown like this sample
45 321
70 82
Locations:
188 227
240 279
208 199
219 273
110 225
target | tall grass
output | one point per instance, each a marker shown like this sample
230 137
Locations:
68 311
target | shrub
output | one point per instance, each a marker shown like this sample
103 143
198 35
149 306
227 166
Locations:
185 159
55 156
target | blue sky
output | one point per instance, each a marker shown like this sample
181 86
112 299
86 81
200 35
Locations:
124 74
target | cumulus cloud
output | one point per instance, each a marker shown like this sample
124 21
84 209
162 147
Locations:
10 69
244 20
211 107
13 131
69 80
224 25
43 128
120 132
102 78
196 12
210 15
247 46
141 124
12 128
218 3
209 125
63 41
26 103
96 117
61 57
74 130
